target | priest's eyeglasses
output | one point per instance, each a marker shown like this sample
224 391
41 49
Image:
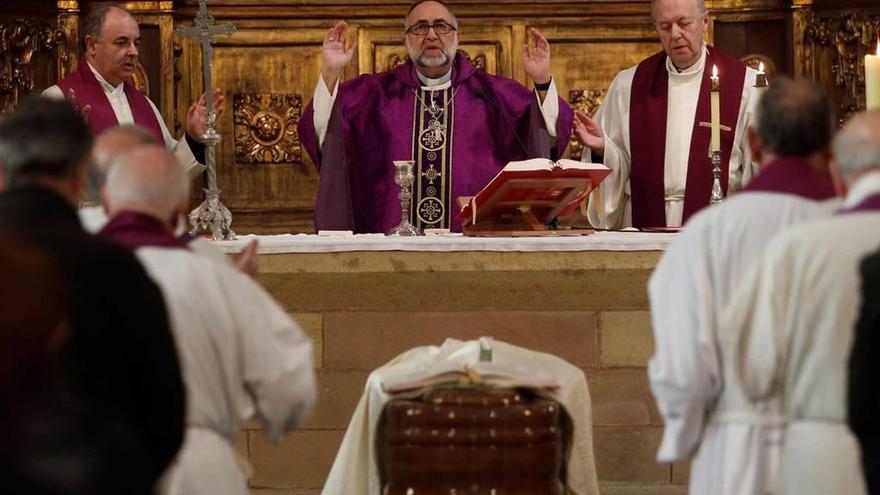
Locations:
422 28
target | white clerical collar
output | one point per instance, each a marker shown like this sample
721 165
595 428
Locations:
108 88
445 79
696 69
866 186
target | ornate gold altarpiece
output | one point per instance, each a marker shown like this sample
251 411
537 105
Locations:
269 68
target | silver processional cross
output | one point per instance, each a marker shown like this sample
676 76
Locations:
211 215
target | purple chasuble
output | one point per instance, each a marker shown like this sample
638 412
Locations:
90 92
136 230
792 175
871 203
649 102
494 121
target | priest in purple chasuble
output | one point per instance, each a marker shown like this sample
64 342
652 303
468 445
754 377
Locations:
101 86
458 124
653 128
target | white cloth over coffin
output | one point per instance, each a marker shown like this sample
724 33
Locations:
691 375
355 470
610 207
792 321
119 103
241 356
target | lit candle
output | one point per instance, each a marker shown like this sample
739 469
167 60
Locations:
872 79
715 144
761 81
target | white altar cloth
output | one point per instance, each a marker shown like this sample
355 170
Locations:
303 243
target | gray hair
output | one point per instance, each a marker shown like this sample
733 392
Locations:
43 138
857 146
700 4
416 3
795 118
93 22
127 137
148 179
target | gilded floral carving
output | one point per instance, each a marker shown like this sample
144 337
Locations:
265 128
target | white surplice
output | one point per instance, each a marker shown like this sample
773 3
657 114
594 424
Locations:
241 357
690 373
610 206
323 101
355 470
791 324
122 109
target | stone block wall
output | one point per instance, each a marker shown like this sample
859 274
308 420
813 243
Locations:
612 346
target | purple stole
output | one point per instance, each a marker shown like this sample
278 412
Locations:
648 113
871 203
89 92
136 230
792 175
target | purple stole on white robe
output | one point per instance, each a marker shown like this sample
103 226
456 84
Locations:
89 92
871 203
792 175
649 102
136 230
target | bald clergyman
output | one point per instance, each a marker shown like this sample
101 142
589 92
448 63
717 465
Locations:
459 124
653 130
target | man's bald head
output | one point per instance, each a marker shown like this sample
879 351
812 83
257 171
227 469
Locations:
857 147
109 146
148 180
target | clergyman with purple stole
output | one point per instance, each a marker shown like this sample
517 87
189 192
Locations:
458 124
653 129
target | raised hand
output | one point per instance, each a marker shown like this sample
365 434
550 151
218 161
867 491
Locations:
196 123
334 54
589 132
247 260
85 110
536 57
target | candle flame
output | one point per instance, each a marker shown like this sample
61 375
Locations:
715 71
761 68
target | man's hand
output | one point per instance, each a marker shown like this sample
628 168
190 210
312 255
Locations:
195 116
589 133
85 110
334 55
536 57
247 260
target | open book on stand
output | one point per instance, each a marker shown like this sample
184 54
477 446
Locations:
527 196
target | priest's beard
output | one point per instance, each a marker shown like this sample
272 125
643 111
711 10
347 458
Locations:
418 56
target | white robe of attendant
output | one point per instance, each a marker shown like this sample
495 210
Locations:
610 206
241 356
122 109
691 376
355 470
792 322
323 101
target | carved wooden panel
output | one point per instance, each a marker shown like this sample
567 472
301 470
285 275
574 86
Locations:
21 42
265 128
833 46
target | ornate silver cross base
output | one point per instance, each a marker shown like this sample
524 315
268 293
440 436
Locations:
213 217
717 192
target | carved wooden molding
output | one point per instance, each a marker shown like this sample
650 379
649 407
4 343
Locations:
849 36
20 41
587 101
265 128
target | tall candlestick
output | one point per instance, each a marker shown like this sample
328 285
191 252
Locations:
761 81
872 79
715 144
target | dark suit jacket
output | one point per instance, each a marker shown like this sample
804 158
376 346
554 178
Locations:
119 366
864 374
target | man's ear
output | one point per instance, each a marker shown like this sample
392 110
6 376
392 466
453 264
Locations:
90 45
837 179
755 146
